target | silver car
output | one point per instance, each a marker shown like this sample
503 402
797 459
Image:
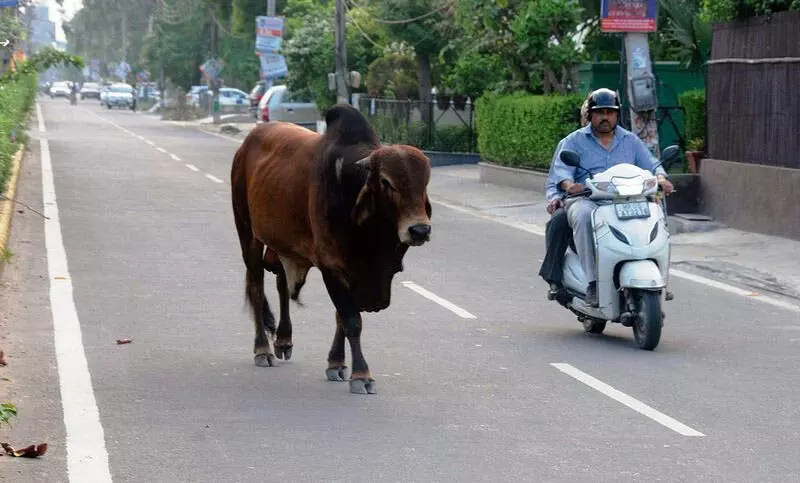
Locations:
279 104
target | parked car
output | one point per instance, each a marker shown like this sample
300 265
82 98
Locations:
120 94
279 104
229 97
193 96
60 89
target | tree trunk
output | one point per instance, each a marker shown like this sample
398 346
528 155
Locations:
425 84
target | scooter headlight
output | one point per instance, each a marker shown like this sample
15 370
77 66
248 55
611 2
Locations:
606 186
628 186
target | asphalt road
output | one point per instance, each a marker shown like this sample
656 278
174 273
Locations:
466 393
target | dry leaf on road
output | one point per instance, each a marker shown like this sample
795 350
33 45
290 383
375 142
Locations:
32 451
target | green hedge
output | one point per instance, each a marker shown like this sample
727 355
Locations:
16 100
523 130
694 102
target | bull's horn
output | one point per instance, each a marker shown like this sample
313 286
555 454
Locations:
364 161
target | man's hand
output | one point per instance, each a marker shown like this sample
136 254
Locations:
553 205
665 185
575 188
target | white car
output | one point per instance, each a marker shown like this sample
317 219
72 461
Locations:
60 89
119 94
90 89
229 97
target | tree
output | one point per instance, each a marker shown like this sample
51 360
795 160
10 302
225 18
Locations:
427 26
543 31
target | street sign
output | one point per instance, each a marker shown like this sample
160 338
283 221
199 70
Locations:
9 3
628 15
269 33
273 66
211 68
122 70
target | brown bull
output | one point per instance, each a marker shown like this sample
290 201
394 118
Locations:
341 202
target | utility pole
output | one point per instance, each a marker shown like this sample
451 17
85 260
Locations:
214 84
343 95
270 13
642 90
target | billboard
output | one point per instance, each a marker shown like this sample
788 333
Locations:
628 15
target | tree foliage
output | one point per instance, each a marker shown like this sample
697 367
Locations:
40 61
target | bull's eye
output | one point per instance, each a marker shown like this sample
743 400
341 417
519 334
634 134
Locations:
386 184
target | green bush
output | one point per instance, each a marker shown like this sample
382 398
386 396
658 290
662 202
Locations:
16 99
694 102
523 130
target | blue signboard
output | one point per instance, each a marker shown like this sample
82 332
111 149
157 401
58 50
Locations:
9 3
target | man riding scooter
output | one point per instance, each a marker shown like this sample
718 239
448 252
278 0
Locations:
600 144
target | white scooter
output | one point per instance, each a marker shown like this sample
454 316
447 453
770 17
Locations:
631 248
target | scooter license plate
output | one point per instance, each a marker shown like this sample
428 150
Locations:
627 211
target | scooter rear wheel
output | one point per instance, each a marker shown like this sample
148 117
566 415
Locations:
647 327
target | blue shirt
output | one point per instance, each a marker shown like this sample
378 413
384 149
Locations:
625 147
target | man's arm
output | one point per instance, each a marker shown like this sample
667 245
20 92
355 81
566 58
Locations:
551 186
563 175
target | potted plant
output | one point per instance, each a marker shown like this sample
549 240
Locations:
694 154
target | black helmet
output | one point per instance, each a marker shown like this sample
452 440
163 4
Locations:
603 99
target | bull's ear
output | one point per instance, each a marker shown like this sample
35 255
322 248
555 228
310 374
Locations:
365 205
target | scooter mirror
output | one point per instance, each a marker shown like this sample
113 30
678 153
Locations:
670 155
570 158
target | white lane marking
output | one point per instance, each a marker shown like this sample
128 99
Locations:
214 178
538 230
192 167
174 157
151 143
629 401
734 290
444 303
140 137
237 141
87 456
162 150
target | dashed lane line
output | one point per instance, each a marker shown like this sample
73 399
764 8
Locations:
158 148
629 401
439 300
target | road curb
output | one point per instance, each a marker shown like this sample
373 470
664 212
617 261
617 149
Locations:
6 205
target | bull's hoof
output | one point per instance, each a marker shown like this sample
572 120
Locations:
264 360
283 351
336 374
362 386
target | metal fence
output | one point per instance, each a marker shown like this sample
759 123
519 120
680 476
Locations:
444 124
753 95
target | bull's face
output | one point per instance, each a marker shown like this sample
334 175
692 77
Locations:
397 186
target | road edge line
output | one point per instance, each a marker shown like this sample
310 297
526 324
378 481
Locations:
87 456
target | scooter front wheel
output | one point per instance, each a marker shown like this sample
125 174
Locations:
647 327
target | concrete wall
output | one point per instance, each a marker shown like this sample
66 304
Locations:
752 197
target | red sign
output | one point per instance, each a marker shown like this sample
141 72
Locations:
628 15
